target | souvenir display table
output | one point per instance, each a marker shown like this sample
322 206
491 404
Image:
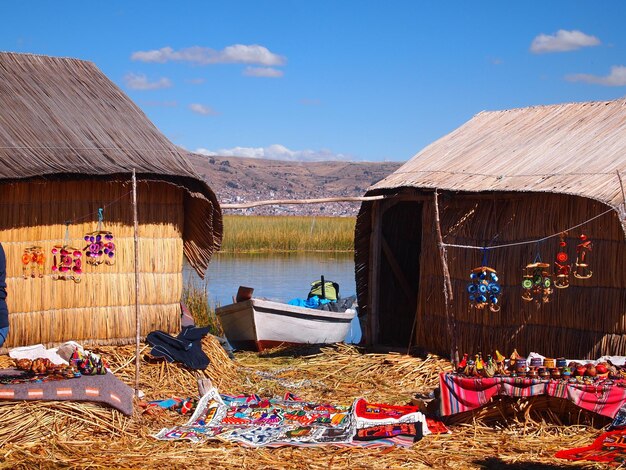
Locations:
460 393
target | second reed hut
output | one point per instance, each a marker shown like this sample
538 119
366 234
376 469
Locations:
69 142
517 178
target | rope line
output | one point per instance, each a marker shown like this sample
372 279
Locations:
529 242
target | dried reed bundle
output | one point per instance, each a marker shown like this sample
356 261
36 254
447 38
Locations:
81 435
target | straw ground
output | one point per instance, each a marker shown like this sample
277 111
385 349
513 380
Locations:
73 435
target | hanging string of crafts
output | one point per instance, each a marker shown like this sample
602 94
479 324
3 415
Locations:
33 261
561 267
483 288
100 247
537 281
580 266
67 260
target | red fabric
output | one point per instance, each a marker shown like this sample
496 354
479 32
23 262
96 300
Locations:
459 394
609 447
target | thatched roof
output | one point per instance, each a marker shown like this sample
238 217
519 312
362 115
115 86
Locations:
64 118
574 148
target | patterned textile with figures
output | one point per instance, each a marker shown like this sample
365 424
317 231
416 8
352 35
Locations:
254 421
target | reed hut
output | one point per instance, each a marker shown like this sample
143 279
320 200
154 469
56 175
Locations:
518 178
69 142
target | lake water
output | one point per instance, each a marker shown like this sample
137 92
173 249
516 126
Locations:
279 277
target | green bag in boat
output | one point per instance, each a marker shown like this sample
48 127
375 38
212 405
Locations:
329 291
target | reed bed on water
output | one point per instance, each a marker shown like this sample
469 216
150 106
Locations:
276 233
82 435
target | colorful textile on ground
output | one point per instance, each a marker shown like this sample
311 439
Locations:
97 388
255 421
459 394
180 405
376 421
608 447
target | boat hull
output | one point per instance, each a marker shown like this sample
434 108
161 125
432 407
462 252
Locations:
262 324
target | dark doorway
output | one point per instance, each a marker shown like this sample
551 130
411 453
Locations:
399 272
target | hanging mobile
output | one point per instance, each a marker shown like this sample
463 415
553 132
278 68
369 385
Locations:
67 260
562 269
100 247
33 259
581 268
483 288
537 281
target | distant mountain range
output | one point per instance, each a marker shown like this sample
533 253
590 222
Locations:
240 179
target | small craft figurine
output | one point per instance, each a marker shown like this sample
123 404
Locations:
461 367
581 267
484 289
537 283
490 367
562 269
33 259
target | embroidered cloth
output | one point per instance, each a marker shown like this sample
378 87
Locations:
254 421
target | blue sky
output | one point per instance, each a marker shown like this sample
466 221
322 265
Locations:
357 80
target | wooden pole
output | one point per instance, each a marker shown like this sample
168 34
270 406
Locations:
447 287
246 205
622 213
137 317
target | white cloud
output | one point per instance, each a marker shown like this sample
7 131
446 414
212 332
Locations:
235 54
202 109
141 82
277 152
562 41
617 77
263 72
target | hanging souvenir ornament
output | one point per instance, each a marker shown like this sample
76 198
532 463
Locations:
562 268
537 282
66 260
581 267
100 247
33 261
483 288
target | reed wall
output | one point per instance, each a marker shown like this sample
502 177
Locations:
586 320
100 309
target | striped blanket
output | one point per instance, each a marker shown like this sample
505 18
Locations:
459 394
